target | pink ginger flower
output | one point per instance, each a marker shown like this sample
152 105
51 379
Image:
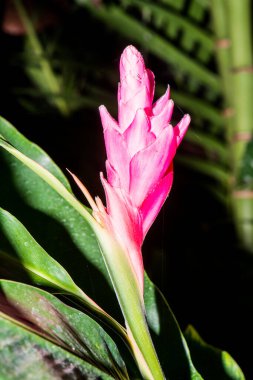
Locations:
140 149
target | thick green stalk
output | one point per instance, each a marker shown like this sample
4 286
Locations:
239 15
223 58
241 73
223 45
131 302
231 20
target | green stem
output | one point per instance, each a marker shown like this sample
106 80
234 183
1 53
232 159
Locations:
52 82
232 24
223 45
131 302
223 57
239 14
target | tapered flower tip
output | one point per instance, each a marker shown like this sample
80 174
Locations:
134 75
136 88
107 120
132 65
181 128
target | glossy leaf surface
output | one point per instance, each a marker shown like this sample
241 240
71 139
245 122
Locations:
53 223
169 341
212 362
43 268
72 330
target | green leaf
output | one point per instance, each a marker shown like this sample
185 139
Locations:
174 4
218 172
213 148
171 23
131 28
199 108
51 220
44 269
40 69
73 331
168 339
212 362
197 9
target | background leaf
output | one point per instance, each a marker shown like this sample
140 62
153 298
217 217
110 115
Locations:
138 32
212 362
169 341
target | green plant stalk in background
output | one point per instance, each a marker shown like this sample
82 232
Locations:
44 73
232 25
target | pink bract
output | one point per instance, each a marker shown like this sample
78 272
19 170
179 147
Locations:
140 149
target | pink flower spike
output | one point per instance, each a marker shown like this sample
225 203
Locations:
140 150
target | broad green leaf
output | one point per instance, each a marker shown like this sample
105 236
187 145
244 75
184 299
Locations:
51 180
51 220
34 258
169 341
42 268
72 330
212 362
